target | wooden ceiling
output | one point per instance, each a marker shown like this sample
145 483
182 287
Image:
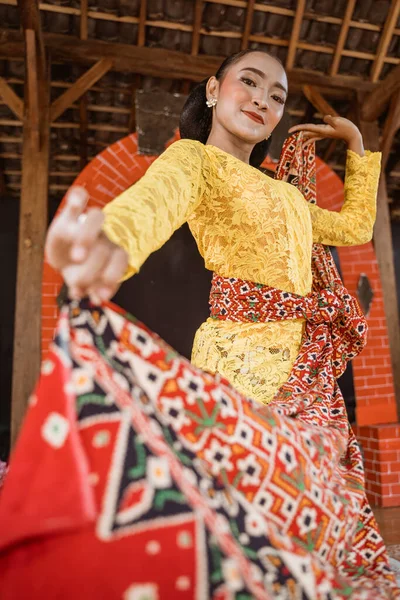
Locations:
343 49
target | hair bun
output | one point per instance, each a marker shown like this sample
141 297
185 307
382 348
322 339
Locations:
196 118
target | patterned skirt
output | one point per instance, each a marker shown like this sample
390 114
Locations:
138 476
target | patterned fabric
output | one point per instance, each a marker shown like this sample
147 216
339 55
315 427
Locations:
145 478
248 226
243 301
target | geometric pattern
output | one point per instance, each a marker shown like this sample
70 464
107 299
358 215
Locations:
145 477
167 480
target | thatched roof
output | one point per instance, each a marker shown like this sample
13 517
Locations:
362 46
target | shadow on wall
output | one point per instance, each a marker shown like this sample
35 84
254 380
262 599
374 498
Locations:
9 212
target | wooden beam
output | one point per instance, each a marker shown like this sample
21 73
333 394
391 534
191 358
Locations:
342 37
82 85
157 62
13 101
318 101
83 104
32 226
384 253
391 127
198 15
33 86
84 20
291 55
277 10
248 23
30 19
375 103
384 41
142 23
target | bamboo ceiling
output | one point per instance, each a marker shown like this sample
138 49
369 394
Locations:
355 42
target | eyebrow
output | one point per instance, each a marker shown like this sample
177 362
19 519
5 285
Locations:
261 74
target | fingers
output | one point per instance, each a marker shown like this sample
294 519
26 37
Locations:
110 277
81 276
116 268
75 203
86 235
99 275
63 228
329 119
311 128
311 139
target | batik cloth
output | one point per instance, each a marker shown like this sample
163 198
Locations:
139 476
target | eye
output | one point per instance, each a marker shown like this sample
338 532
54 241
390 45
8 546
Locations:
279 99
248 81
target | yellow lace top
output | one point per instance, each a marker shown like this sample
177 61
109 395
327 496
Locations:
246 225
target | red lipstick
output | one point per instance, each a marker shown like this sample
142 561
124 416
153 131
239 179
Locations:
254 116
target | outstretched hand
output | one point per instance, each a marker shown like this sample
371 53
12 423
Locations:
89 262
337 128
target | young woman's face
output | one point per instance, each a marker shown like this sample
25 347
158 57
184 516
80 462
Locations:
250 98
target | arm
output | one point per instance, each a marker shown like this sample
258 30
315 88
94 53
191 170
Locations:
354 223
145 216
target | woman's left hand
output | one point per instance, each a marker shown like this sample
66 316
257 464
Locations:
337 128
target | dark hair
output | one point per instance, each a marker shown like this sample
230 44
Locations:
196 118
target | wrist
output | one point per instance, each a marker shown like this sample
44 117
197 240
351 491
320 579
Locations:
355 143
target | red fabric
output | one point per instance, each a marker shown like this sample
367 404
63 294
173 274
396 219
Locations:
138 476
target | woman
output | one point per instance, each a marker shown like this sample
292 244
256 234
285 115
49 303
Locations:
237 216
275 502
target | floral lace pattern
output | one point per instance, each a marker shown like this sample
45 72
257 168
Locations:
247 226
355 222
256 358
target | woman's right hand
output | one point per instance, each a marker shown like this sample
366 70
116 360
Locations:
89 262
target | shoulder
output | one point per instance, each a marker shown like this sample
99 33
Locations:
184 147
290 190
188 155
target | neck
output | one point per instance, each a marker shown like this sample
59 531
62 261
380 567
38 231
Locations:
231 144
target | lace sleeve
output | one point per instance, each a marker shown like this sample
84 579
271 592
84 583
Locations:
354 224
145 216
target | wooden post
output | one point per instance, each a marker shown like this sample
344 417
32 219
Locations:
83 103
32 230
384 253
391 127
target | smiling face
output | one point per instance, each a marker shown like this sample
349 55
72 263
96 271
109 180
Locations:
250 99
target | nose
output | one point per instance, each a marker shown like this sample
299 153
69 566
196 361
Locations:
261 101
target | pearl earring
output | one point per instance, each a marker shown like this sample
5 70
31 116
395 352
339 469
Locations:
212 102
268 136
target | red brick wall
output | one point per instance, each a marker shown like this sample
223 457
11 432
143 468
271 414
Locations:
119 166
381 446
107 175
372 370
376 414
